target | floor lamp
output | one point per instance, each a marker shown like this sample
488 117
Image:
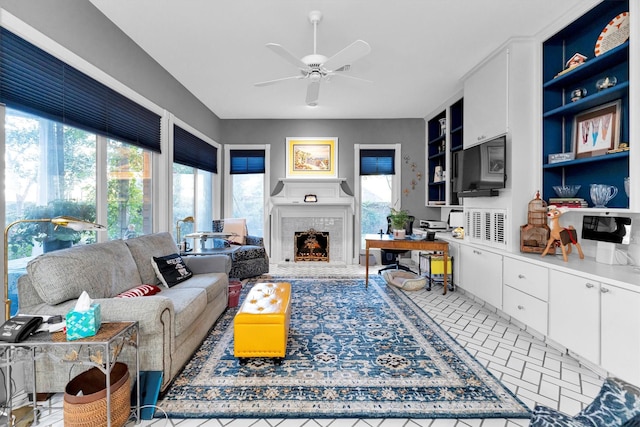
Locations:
187 219
60 221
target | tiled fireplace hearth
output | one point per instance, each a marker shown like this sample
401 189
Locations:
332 213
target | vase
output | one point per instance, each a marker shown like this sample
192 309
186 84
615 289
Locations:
399 234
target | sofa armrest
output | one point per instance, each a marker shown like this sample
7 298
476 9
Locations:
202 264
254 241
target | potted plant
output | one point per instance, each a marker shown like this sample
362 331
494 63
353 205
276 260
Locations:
399 218
49 236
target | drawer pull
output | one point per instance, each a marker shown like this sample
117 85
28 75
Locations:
604 290
521 307
589 285
477 252
521 276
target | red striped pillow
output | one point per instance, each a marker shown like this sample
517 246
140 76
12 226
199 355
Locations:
139 291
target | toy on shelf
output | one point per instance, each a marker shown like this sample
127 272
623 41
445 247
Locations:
559 236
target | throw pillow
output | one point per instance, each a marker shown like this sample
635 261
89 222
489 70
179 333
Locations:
139 291
237 229
616 403
171 269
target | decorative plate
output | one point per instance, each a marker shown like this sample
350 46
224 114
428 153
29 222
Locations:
614 34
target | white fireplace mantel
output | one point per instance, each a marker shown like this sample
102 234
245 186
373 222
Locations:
333 212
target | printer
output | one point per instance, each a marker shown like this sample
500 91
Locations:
430 224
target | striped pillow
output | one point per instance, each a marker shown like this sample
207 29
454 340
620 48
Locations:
139 291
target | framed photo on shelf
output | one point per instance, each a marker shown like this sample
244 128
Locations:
312 158
597 131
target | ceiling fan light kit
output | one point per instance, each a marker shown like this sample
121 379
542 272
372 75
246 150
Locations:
315 67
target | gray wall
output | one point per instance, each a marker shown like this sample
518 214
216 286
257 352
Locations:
80 27
409 132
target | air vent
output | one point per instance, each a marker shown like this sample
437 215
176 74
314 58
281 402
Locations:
486 226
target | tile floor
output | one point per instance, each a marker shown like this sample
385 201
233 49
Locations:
534 371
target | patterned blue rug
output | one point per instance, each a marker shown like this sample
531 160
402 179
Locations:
352 352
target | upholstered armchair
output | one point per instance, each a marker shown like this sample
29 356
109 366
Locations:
248 255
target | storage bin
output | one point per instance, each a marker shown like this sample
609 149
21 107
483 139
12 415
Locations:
89 409
235 287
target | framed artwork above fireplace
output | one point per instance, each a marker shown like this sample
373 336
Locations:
312 158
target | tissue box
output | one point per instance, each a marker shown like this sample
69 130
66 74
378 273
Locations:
83 324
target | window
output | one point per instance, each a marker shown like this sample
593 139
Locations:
194 169
378 188
246 180
128 191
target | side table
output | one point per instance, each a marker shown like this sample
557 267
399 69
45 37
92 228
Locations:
101 350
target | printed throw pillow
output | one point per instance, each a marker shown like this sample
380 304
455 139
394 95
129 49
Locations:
171 269
139 291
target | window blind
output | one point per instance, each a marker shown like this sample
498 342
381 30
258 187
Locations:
189 150
246 161
377 162
36 82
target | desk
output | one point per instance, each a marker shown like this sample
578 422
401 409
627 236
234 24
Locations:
107 344
388 242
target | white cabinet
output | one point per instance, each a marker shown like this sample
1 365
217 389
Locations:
481 274
574 314
525 293
620 332
486 100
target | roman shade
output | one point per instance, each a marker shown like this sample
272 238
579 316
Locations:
33 81
377 162
189 150
246 161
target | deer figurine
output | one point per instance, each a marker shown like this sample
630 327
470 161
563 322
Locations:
559 236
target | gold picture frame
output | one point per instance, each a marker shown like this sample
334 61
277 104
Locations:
312 157
596 131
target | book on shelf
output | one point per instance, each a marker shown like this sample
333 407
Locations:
569 202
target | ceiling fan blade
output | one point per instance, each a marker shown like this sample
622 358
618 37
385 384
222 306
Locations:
313 91
349 54
288 56
350 77
270 82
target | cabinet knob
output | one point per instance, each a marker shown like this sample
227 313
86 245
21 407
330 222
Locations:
521 307
604 290
521 276
481 137
589 285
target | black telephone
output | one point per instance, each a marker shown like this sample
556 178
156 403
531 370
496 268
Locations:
18 328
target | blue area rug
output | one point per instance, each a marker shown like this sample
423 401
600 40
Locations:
352 352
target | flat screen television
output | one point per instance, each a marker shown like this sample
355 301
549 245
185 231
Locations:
482 168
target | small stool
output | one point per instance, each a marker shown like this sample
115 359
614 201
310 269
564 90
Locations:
261 325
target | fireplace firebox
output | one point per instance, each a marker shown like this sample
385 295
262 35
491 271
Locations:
311 245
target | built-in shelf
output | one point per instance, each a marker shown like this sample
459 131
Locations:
582 161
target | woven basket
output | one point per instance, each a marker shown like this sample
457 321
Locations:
90 409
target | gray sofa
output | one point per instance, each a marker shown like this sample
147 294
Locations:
173 323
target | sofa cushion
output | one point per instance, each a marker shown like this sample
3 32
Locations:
144 247
171 269
188 305
237 228
214 284
101 269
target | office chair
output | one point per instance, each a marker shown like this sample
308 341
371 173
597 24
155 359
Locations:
408 226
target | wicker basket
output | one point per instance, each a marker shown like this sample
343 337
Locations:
90 409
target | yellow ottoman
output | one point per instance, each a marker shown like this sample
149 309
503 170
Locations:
261 325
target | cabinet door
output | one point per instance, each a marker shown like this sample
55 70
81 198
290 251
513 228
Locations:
620 332
486 100
574 314
481 274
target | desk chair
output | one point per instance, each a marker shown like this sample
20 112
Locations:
408 226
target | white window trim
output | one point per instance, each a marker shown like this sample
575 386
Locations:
396 185
228 196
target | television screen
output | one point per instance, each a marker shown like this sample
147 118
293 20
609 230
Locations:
607 229
482 167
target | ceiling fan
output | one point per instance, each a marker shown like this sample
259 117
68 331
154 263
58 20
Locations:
315 67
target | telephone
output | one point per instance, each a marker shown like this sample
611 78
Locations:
18 328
